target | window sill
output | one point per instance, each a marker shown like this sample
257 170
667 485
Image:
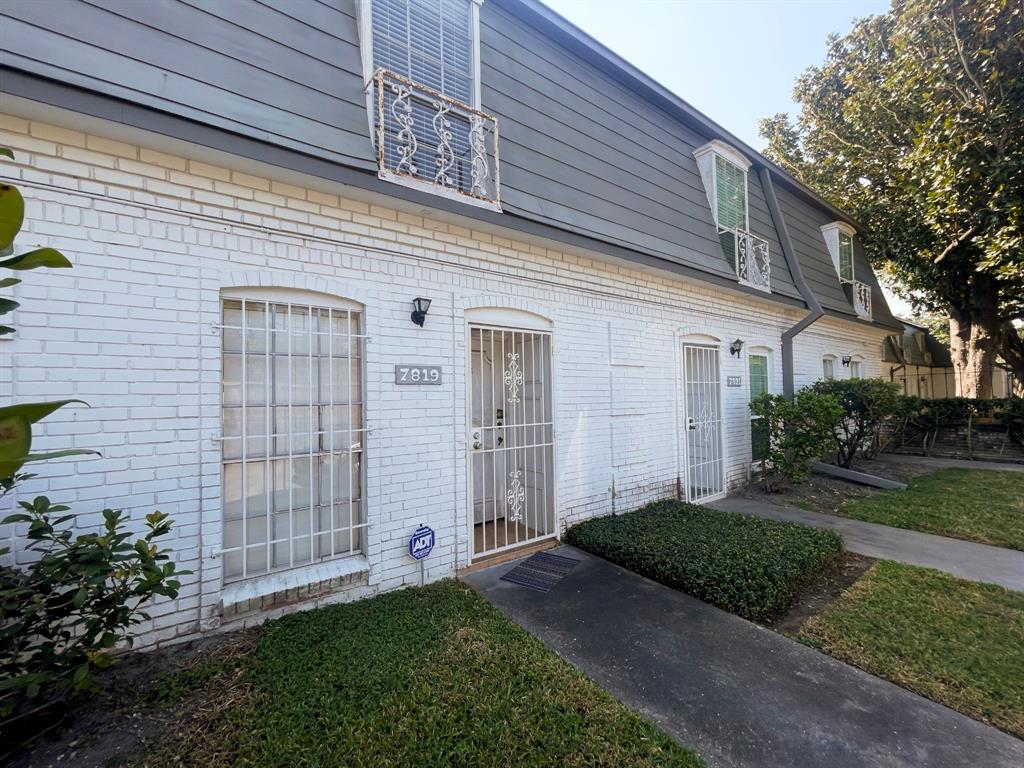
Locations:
292 585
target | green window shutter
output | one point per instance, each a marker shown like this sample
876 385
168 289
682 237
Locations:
731 185
845 257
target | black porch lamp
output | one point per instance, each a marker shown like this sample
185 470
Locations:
735 347
846 360
419 310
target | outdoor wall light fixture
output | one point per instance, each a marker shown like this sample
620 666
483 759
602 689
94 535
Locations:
846 361
735 347
419 310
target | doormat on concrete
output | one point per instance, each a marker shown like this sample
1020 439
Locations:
541 571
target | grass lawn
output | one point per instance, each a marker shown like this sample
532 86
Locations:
749 566
974 504
431 676
957 642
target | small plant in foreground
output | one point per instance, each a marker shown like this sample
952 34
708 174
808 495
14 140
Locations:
61 615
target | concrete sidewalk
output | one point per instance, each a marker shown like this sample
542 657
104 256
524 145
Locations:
963 559
742 695
938 462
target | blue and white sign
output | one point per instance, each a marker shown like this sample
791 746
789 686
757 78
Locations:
421 543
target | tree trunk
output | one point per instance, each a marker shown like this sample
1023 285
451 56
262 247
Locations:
975 333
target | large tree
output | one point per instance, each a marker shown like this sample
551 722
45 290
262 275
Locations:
915 125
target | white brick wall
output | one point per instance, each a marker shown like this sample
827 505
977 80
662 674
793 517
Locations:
154 238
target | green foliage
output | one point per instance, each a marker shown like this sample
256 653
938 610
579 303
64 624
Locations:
915 124
972 504
793 434
78 600
868 405
426 676
749 566
956 642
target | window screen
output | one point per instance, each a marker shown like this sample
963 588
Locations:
427 41
845 257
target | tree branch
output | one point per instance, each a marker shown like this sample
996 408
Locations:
963 237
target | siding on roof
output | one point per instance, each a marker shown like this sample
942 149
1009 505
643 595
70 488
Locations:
581 150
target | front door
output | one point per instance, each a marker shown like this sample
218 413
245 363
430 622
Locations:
702 422
511 438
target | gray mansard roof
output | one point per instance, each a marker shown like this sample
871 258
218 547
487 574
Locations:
593 152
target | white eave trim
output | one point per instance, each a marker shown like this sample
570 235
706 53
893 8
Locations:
840 226
721 148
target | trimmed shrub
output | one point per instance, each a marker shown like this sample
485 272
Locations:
793 434
868 404
745 565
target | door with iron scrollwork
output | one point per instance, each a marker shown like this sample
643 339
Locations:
511 438
702 422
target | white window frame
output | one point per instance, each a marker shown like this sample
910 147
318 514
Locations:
705 156
831 232
831 360
303 298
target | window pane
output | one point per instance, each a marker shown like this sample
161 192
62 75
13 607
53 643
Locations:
281 375
758 440
828 368
845 257
731 183
758 375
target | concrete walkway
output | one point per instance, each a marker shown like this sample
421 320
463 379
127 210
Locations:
941 463
742 695
963 559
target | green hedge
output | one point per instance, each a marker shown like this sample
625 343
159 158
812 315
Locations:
746 565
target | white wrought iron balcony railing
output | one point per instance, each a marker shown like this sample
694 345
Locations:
749 255
431 142
862 299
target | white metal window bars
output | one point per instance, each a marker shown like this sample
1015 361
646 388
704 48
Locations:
434 142
512 455
753 264
862 299
292 435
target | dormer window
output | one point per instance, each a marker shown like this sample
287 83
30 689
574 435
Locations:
724 173
839 239
421 59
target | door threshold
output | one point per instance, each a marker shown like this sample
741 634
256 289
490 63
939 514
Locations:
507 555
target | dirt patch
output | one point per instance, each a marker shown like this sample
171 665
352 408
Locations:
814 598
819 493
148 695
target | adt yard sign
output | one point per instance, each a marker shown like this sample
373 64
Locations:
421 543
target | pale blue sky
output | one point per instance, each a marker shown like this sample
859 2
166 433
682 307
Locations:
734 60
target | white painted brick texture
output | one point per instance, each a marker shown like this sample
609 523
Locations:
155 238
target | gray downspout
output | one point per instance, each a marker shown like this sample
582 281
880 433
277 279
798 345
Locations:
814 310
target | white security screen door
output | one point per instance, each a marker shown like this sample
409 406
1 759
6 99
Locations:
511 438
702 422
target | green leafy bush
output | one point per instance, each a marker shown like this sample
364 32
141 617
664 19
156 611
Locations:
868 405
746 565
60 616
793 434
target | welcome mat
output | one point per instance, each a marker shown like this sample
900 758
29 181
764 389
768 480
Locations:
541 571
